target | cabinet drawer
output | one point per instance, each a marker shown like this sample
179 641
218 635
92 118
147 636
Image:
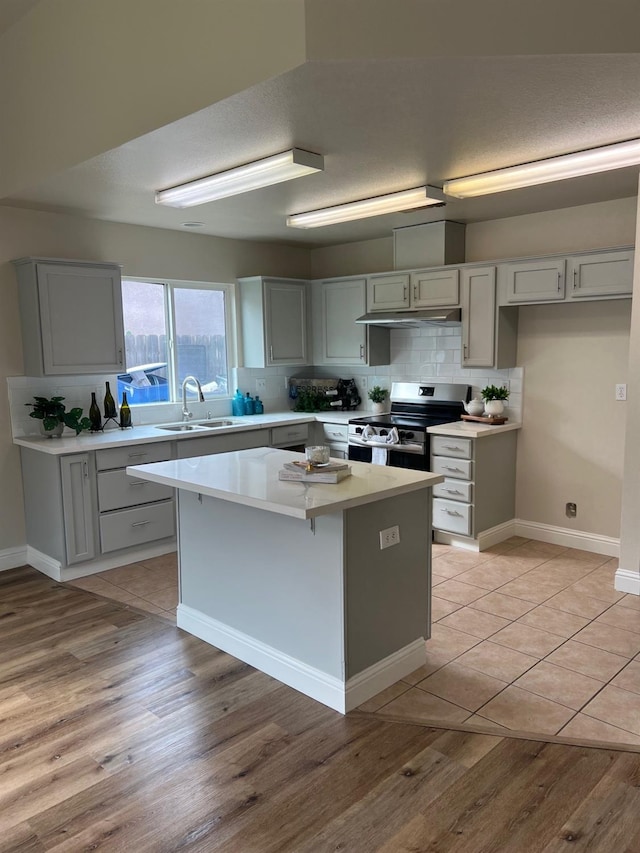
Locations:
452 516
444 445
457 468
128 527
133 454
116 490
292 434
335 432
454 490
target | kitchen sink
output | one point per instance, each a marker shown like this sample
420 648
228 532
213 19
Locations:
199 426
181 427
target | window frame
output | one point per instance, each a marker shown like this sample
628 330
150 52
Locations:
230 326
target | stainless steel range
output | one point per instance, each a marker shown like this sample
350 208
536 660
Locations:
400 437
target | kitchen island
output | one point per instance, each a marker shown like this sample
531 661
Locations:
292 579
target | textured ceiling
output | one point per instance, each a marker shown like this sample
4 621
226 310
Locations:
382 126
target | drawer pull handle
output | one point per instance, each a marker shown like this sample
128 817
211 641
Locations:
138 483
451 468
140 523
137 455
453 491
454 447
453 512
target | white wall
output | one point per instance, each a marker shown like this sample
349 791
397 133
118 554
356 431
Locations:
142 252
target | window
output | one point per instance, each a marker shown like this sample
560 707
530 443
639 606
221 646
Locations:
173 330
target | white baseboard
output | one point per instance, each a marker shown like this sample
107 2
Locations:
11 558
52 568
485 540
627 581
580 539
334 692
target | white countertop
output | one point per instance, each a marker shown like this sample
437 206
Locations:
472 429
150 433
250 478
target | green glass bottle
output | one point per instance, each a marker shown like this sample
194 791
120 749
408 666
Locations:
109 404
125 412
94 414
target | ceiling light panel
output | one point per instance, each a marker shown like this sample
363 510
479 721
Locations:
252 176
391 203
616 156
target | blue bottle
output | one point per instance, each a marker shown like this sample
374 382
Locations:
249 405
258 406
237 404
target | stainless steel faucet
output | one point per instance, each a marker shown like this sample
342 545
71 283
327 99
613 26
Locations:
186 414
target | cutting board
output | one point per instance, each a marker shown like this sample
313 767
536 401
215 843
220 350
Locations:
494 420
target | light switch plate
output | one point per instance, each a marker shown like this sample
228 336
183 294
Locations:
261 386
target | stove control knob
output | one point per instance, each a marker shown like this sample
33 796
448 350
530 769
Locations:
409 435
358 430
383 432
401 433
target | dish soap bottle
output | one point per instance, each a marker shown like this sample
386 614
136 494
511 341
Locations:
249 406
237 404
258 406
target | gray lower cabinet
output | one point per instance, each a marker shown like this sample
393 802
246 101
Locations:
208 444
78 508
130 513
473 497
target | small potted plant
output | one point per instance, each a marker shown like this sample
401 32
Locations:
494 398
53 416
378 395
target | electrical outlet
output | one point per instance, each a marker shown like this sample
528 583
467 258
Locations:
506 384
571 510
390 536
261 386
621 392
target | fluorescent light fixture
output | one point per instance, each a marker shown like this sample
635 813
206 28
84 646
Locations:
616 156
405 200
252 176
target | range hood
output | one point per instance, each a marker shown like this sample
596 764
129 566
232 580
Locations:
396 319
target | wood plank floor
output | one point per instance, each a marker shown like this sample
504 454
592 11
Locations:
119 732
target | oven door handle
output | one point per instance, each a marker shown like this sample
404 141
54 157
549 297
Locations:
403 448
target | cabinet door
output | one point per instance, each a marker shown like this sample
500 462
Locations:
435 289
80 319
78 511
343 341
478 316
286 336
601 274
535 281
388 292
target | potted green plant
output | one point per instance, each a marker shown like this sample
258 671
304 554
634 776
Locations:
377 395
53 416
494 398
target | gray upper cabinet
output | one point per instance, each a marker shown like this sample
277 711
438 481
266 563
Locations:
478 316
71 315
389 292
602 274
338 339
275 322
432 288
535 281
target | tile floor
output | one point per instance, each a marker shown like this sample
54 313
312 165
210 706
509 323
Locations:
526 636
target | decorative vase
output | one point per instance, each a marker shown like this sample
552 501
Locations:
493 408
378 408
56 432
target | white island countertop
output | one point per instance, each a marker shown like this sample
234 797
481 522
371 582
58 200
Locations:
250 477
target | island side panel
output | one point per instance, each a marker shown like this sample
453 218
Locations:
267 576
388 592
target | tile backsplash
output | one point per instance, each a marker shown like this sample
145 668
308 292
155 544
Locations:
428 354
